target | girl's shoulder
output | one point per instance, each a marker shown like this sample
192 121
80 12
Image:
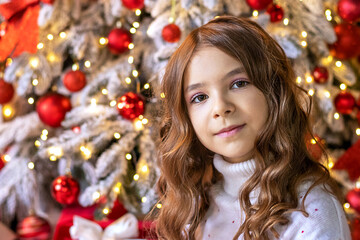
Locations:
325 220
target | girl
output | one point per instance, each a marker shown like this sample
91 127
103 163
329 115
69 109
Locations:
234 161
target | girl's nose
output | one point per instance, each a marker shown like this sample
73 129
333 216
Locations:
222 107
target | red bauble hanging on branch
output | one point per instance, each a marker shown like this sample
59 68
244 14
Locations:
353 197
33 227
349 10
6 92
276 13
133 4
74 81
320 74
131 105
2 162
344 102
52 109
65 190
259 4
171 33
119 40
349 161
347 44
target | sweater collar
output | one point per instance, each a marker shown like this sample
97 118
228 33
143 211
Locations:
235 174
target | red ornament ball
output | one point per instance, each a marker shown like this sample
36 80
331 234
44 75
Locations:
74 81
119 40
171 33
33 228
6 92
276 13
259 4
133 4
349 10
344 102
131 105
320 74
65 190
353 197
347 44
52 109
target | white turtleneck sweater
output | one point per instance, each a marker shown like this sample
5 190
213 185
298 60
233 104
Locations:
326 219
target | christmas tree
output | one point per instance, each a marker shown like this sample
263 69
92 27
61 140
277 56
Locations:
81 111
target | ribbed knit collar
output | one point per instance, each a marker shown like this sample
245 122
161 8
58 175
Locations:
235 174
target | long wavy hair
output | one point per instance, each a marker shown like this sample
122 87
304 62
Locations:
282 159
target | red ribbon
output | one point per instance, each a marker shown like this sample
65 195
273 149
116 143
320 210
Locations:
21 28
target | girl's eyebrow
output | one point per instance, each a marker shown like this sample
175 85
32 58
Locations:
237 70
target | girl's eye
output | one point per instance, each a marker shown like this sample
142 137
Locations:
198 98
239 84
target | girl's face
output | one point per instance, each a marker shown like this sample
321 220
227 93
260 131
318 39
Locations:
226 110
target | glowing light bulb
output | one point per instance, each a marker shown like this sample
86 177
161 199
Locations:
117 135
87 63
309 79
336 115
136 177
96 195
131 46
8 62
37 143
50 36
343 86
53 158
327 94
304 34
113 103
7 158
330 165
347 205
43 137
93 102
311 92
255 13
338 63
135 73
146 86
40 46
7 111
128 156
103 41
104 91
357 131
62 35
298 80
45 132
31 100
162 95
132 30
131 59
143 199
145 168
128 80
31 165
35 82
137 12
144 121
303 43
159 205
136 24
106 211
286 21
34 62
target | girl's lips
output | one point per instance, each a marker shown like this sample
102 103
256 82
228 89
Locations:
230 131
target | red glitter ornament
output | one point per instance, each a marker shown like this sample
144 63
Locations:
65 190
131 105
76 129
347 44
133 4
259 4
52 109
119 40
349 10
171 33
344 102
353 197
6 92
74 81
349 161
33 228
276 13
320 74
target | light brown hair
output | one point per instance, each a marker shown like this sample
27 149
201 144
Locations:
282 159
